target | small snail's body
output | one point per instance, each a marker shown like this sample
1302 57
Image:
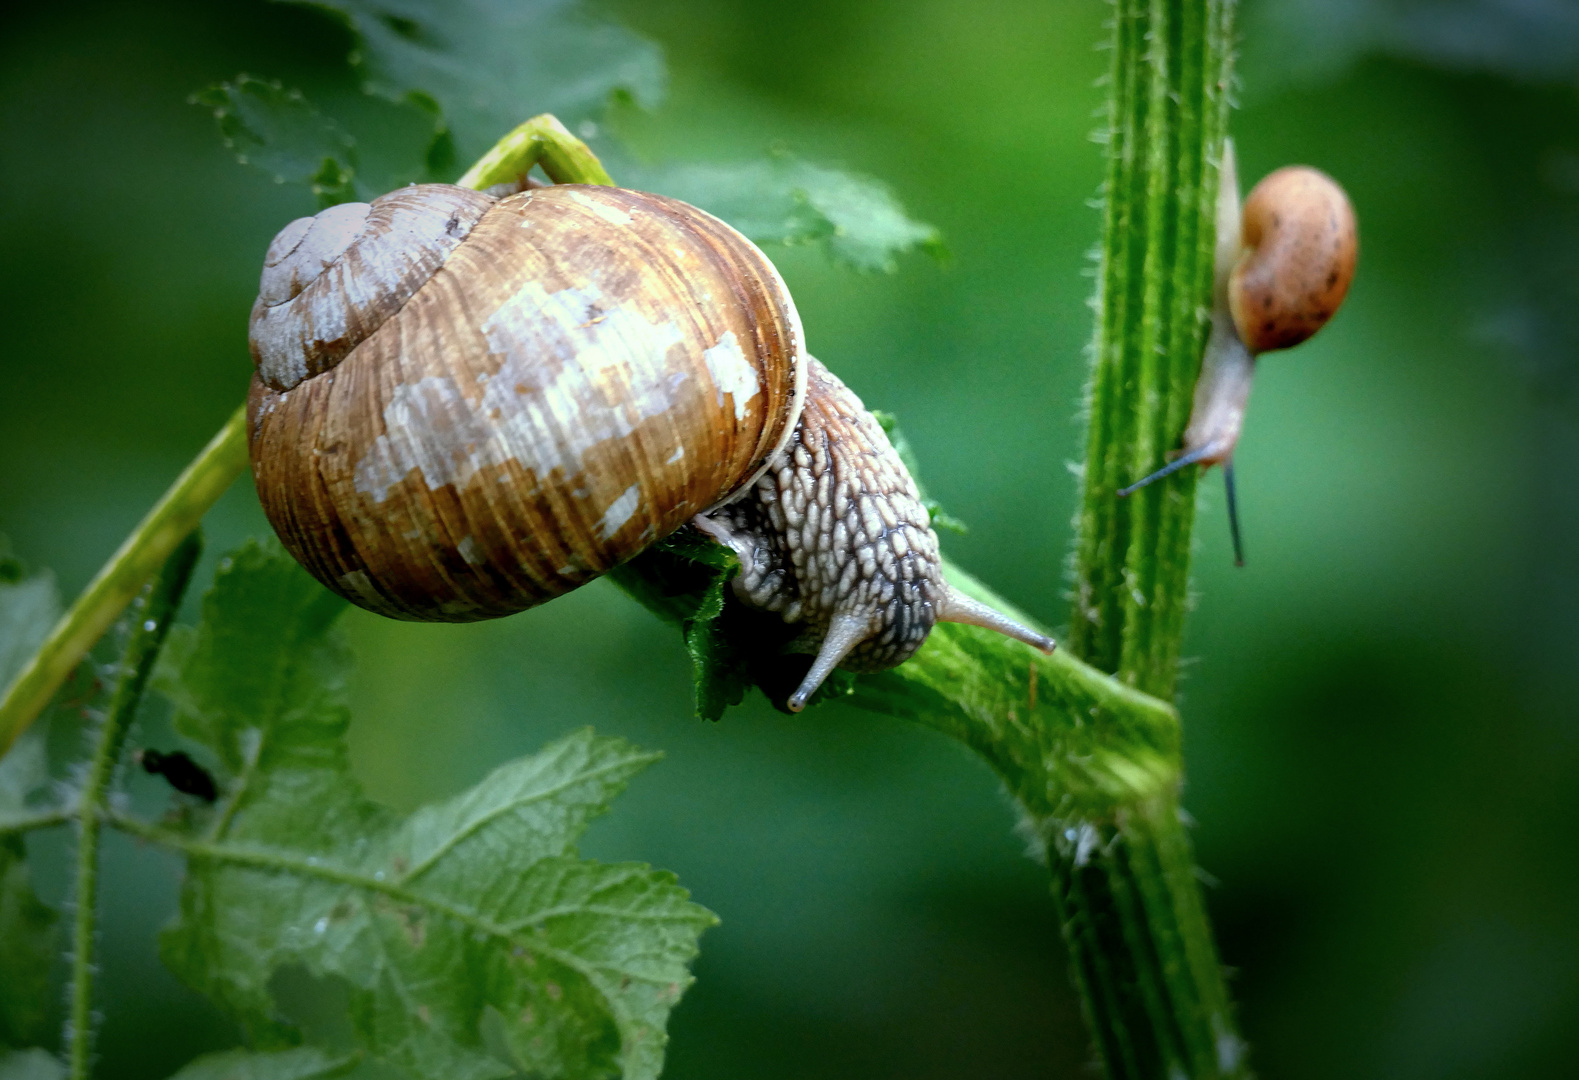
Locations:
1283 266
465 406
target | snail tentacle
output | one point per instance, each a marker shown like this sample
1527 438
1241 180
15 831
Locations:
959 608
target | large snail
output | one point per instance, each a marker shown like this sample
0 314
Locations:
465 405
1283 266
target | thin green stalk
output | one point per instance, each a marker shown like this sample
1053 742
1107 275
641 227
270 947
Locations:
48 819
543 141
159 533
1134 919
155 611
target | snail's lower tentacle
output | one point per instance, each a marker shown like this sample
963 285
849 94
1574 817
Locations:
845 632
1233 511
1199 454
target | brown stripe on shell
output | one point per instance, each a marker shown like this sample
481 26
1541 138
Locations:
511 431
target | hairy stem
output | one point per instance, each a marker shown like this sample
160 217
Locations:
154 611
1133 915
543 141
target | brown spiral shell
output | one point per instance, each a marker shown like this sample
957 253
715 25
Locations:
466 406
1300 242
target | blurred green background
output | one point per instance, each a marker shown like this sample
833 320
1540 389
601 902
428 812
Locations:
1381 728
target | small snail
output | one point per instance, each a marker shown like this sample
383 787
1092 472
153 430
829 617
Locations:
1280 275
465 405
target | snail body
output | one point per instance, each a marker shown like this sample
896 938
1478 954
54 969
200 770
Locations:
1284 263
466 405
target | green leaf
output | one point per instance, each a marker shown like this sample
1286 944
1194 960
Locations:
277 130
300 1063
684 579
473 903
34 1064
29 605
24 774
28 934
480 67
784 200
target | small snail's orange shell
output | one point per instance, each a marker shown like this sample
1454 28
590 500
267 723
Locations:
489 403
1300 245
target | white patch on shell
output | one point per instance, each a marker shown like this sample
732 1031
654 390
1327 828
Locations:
469 551
732 373
611 214
619 379
619 512
358 582
679 452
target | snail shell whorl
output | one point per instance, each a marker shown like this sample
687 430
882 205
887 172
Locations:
329 281
1300 242
581 370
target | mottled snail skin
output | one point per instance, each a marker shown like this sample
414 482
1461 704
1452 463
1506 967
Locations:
585 370
834 537
528 390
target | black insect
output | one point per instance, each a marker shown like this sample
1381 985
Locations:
180 771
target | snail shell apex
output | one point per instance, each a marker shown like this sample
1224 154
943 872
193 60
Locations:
1300 243
527 394
329 281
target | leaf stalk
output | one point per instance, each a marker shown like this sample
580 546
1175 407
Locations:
172 519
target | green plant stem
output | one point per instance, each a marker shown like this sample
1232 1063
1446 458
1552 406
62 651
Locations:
1065 738
1124 881
542 140
159 533
154 613
1169 119
48 819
